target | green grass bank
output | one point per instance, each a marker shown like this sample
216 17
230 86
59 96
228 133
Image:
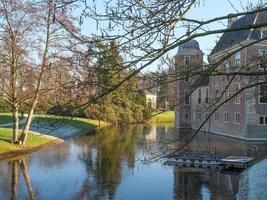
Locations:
56 126
158 117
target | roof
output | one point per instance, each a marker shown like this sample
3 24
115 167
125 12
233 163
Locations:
229 39
189 47
149 93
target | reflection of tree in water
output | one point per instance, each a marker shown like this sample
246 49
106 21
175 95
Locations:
105 154
16 167
55 155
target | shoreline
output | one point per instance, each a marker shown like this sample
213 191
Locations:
54 140
28 150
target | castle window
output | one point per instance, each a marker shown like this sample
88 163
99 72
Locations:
263 33
199 95
187 64
226 117
186 115
207 96
226 66
226 94
262 58
187 61
263 93
263 120
186 97
237 60
186 77
199 115
238 97
216 115
237 118
217 93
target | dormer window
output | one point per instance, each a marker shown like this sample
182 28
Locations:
262 52
263 33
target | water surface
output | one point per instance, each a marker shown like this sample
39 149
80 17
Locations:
107 165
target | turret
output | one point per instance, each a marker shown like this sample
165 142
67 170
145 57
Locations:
188 58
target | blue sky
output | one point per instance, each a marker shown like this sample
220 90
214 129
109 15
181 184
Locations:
208 9
213 8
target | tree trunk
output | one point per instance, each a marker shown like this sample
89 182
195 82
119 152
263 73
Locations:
15 124
24 134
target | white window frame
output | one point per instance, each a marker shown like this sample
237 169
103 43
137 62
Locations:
226 66
261 53
226 117
238 60
237 121
263 30
264 120
264 52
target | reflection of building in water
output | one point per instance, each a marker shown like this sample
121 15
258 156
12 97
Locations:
193 184
152 135
157 132
204 142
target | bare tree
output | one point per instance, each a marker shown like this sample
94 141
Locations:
32 40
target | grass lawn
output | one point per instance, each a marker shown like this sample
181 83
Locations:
36 139
80 123
5 118
167 116
33 140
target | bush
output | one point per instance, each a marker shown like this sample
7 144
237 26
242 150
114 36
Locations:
69 109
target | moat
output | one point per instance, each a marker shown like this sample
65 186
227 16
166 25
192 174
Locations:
108 165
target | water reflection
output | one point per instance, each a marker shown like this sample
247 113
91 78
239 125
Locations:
197 184
20 167
105 165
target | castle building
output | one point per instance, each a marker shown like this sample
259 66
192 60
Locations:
151 100
234 111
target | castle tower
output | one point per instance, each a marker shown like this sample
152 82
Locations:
187 60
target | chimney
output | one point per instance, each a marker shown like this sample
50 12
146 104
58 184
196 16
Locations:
231 20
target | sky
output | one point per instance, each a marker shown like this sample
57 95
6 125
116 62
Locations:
213 8
207 9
